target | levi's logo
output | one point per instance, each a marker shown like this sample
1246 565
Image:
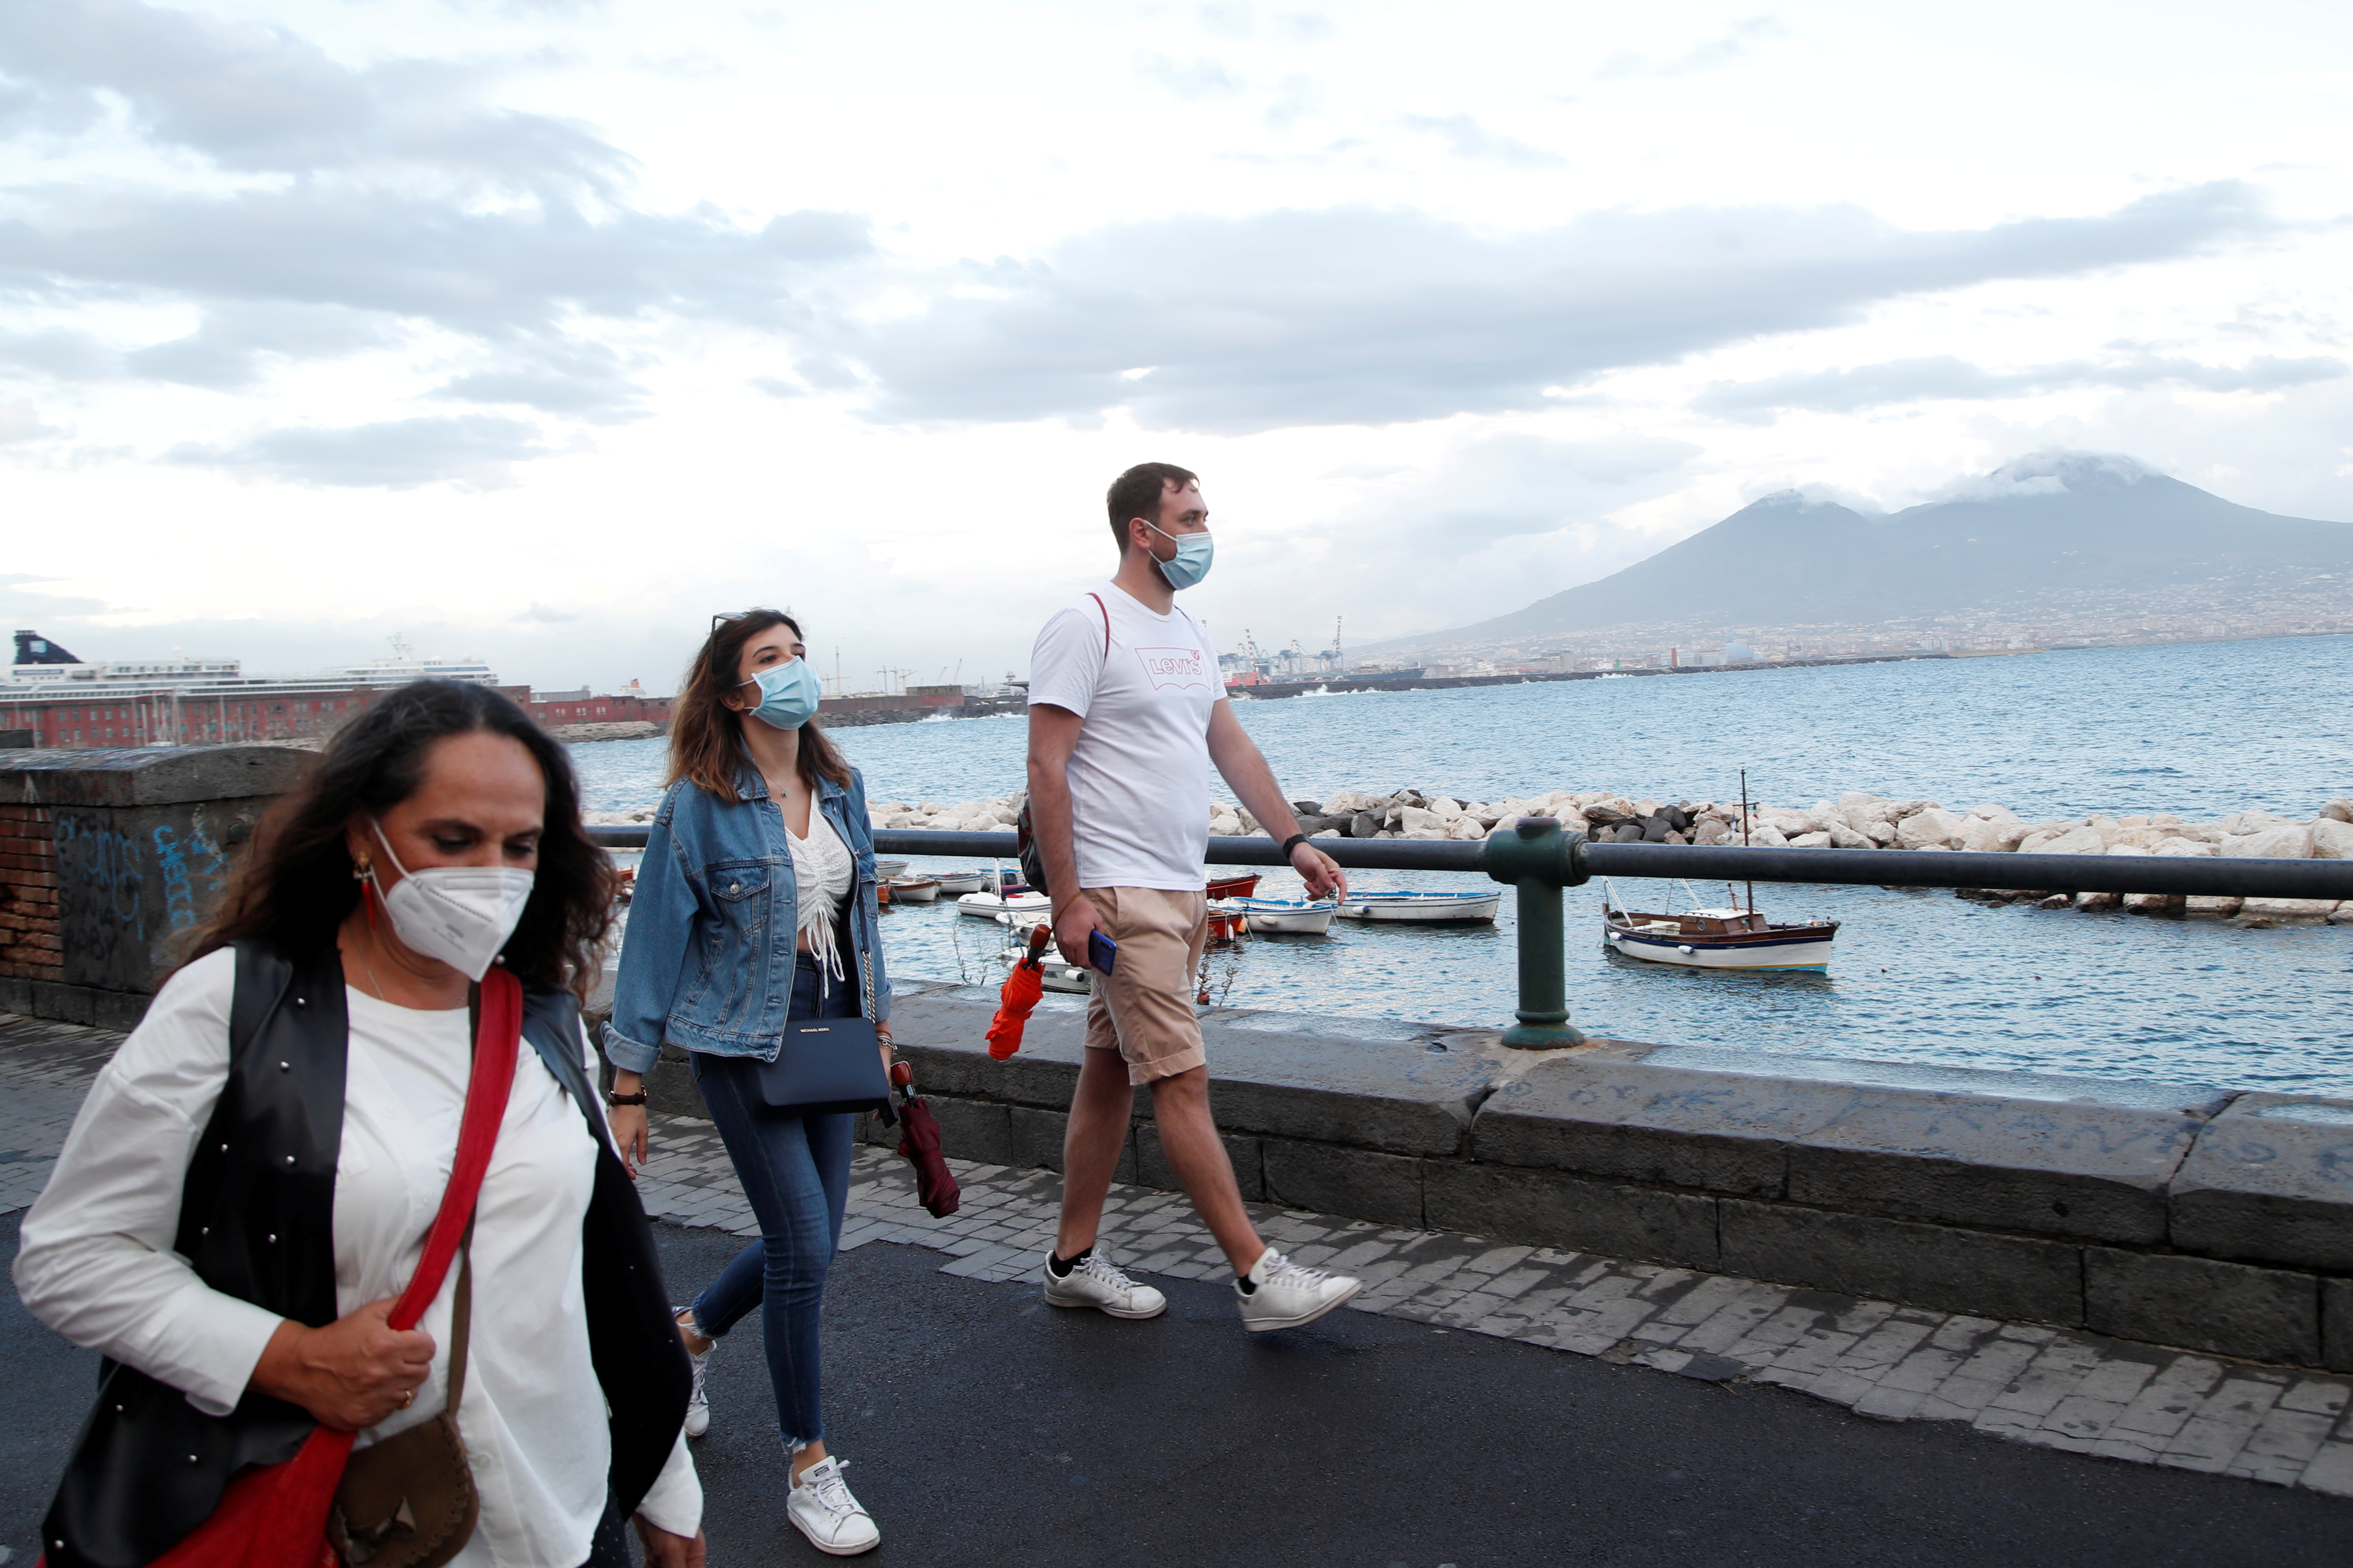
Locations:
1170 668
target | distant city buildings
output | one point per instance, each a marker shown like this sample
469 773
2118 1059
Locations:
2219 611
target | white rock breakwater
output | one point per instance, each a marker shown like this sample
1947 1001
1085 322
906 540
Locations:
1856 820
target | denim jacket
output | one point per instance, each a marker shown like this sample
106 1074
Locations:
707 962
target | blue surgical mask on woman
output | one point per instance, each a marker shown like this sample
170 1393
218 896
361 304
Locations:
1194 552
788 695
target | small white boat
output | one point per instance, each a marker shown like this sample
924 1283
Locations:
889 870
1289 916
990 906
957 883
914 890
1055 972
1421 909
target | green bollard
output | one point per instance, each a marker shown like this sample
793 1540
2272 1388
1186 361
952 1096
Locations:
1539 860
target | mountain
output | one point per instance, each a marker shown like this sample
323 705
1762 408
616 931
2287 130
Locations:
2069 529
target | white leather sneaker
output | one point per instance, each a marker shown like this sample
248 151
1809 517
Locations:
1281 1294
1095 1281
821 1508
697 1404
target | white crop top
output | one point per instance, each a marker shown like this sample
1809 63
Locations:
823 873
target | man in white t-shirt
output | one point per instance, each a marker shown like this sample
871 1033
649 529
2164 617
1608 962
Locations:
1127 713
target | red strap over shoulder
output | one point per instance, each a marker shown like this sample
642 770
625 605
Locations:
1106 616
495 1047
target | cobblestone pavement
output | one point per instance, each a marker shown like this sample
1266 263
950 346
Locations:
2053 1388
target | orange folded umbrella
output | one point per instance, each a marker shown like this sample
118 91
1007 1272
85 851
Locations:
1019 996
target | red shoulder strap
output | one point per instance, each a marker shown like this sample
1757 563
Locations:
496 1045
1106 616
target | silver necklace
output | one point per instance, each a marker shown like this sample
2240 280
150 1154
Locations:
373 980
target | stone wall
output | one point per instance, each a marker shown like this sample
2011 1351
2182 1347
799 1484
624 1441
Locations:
2174 1214
108 858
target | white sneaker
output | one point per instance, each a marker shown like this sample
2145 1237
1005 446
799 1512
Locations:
1283 1295
822 1507
697 1404
1097 1282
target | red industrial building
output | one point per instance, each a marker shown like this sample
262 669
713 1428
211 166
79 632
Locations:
198 715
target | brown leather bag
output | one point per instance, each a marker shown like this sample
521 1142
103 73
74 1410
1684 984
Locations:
409 1501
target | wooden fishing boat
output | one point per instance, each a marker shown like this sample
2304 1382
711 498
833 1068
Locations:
1287 917
1226 921
1232 887
1728 936
955 884
884 871
913 890
1420 908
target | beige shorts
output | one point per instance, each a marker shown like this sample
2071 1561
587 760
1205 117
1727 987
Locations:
1143 1008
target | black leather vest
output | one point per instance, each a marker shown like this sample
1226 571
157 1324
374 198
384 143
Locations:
257 1217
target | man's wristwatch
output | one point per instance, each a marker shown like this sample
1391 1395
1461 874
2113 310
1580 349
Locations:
1293 842
636 1099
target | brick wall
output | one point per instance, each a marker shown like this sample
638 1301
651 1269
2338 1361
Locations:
28 895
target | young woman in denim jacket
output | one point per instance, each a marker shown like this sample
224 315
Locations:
755 902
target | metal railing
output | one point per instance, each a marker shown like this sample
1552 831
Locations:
1539 857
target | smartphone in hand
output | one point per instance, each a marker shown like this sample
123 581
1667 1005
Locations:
1102 952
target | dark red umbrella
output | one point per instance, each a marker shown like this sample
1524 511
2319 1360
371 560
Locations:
919 1140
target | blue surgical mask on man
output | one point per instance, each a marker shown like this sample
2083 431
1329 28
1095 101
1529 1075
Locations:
788 695
1191 563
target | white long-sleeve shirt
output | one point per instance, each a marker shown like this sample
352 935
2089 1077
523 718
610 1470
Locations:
96 1262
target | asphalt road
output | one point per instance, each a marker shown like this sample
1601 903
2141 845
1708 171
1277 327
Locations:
984 1427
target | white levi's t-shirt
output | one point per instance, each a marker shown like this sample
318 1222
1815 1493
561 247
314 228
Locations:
1140 773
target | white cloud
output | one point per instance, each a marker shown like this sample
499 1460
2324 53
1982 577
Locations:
658 310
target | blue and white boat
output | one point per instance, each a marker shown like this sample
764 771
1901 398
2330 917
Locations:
1290 917
1420 908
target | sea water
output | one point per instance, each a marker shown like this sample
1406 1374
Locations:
2202 731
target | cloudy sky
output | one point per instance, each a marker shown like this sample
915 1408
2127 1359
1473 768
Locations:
538 331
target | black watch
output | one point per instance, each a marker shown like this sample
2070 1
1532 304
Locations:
636 1099
1293 842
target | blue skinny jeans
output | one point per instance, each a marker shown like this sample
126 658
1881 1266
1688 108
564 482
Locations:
796 1173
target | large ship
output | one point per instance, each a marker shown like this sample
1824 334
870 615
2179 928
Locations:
53 699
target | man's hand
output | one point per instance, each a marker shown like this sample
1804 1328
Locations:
1072 921
1319 871
664 1550
352 1374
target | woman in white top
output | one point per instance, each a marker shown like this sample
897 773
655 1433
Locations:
250 1179
754 904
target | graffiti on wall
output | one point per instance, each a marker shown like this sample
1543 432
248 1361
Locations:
127 885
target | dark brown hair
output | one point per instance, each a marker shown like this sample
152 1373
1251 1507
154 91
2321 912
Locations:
1137 493
706 736
296 885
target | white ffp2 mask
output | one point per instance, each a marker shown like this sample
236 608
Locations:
461 915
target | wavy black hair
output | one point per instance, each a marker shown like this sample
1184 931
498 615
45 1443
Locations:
296 887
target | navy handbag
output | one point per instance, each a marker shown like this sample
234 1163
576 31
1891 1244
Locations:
827 1065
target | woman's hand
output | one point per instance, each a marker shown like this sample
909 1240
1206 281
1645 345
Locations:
664 1550
628 1121
351 1374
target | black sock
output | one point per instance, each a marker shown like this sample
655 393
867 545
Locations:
1060 1266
